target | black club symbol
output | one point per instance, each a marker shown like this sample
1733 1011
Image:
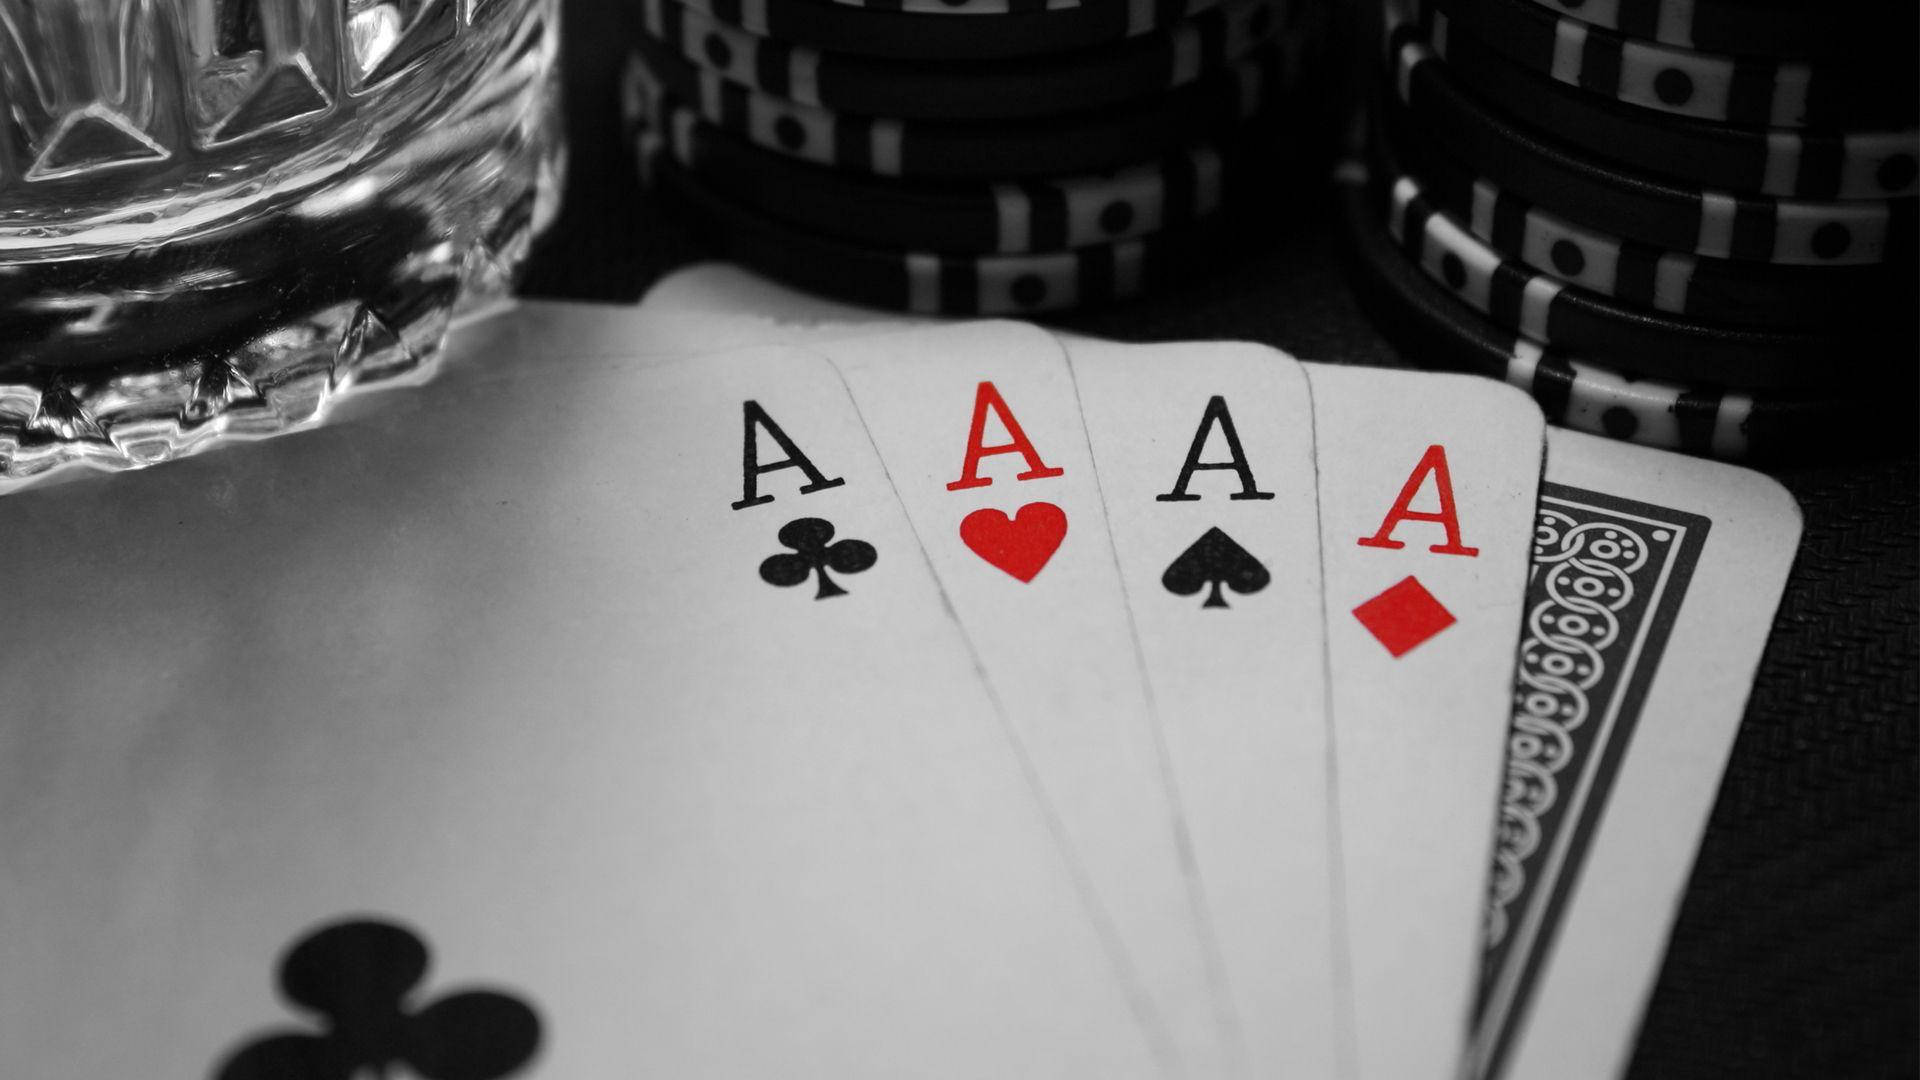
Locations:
813 554
357 976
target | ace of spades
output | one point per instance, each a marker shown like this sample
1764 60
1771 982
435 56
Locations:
1205 456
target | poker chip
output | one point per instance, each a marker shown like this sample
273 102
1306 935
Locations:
1436 327
965 30
1709 252
1717 224
1769 161
1787 28
972 157
1134 69
1729 88
1656 279
1548 310
1003 217
1210 107
929 283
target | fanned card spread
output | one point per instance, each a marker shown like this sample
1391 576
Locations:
740 685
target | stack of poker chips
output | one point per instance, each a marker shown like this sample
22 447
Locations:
1689 223
969 157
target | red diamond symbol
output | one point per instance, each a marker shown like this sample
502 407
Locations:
1403 616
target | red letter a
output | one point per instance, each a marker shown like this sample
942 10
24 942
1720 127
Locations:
1433 461
986 397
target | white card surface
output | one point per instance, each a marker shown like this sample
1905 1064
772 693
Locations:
503 666
1205 458
727 289
1655 582
1427 486
982 437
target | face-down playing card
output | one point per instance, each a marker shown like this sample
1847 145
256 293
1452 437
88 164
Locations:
606 726
1205 457
1655 579
1427 485
982 437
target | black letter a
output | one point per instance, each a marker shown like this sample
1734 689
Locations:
1216 414
750 467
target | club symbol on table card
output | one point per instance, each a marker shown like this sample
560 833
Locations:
814 553
1212 562
357 976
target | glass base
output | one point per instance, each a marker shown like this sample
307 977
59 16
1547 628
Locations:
124 358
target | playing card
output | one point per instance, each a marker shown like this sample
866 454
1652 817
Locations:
1427 485
729 290
981 433
614 724
1205 457
1655 579
690 311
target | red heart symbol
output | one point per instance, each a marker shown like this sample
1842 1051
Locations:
1020 545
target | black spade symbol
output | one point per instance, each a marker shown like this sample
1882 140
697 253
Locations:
356 976
1210 562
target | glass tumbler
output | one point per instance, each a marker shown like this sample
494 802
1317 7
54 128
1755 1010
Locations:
217 215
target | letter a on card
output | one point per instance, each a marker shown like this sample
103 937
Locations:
1427 486
981 433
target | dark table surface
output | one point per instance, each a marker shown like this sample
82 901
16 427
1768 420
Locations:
1797 951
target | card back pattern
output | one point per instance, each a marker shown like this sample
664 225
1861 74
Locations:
1607 581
